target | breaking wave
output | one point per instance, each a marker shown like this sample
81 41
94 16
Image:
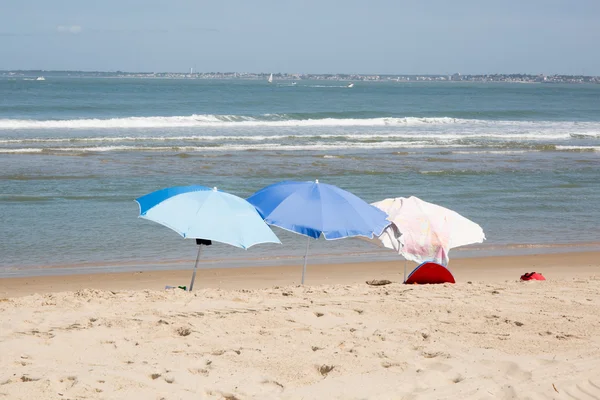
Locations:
309 131
274 120
365 137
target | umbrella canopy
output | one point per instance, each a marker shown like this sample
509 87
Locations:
426 231
313 209
202 213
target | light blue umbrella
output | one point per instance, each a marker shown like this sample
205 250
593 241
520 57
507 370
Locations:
198 212
313 209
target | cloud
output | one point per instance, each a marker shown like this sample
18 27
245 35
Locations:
78 29
150 30
72 29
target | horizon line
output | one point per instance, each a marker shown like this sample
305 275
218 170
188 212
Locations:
290 73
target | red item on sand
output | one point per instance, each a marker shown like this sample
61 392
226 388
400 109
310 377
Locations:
532 276
430 273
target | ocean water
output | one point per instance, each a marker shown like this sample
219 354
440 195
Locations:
523 161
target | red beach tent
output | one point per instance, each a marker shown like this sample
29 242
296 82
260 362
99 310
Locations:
429 273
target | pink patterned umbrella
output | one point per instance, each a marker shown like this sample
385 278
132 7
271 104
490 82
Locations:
423 231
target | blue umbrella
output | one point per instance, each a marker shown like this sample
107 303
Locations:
198 212
313 209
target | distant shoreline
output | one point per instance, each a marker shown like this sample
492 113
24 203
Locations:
400 78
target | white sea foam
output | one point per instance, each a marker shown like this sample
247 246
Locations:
22 150
503 152
90 135
585 135
578 148
218 121
299 136
241 147
464 128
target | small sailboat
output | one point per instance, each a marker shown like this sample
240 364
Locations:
350 85
40 78
293 83
270 80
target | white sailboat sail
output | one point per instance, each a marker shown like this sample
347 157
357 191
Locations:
270 80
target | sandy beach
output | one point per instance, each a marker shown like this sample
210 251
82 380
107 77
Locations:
254 333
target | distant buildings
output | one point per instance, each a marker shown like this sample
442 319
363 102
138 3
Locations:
456 77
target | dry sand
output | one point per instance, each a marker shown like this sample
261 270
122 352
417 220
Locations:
122 338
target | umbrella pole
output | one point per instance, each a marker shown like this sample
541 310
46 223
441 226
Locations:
305 258
405 261
195 268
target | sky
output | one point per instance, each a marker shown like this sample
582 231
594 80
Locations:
310 36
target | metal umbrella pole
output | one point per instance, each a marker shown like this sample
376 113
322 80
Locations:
305 258
200 243
195 267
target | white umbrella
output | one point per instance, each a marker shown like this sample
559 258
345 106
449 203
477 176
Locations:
423 231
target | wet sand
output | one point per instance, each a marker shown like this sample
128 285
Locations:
489 269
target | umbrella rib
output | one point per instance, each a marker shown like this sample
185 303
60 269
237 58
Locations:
164 224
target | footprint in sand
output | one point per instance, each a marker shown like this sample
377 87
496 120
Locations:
435 354
441 367
394 365
508 369
585 389
224 395
26 378
273 383
199 371
325 369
